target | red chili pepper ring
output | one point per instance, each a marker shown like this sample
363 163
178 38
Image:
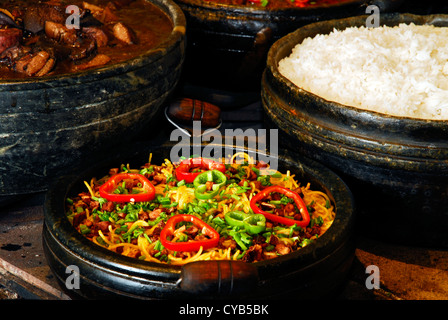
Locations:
170 227
184 169
276 218
108 188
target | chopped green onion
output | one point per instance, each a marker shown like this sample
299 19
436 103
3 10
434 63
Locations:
84 229
276 175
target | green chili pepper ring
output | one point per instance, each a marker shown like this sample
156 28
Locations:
252 223
235 218
217 177
255 223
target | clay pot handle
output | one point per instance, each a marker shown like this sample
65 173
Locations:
222 278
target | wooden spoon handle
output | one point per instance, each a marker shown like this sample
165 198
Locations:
187 110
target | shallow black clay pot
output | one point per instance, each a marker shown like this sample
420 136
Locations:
315 271
227 45
50 124
397 167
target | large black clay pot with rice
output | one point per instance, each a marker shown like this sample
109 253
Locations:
228 44
397 167
317 270
48 125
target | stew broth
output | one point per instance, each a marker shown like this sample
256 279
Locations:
149 25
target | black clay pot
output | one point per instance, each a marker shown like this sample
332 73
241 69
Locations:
50 124
316 271
227 45
397 167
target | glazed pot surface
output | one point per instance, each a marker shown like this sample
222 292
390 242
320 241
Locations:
228 45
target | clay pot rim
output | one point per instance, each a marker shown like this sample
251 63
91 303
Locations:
274 57
169 7
262 11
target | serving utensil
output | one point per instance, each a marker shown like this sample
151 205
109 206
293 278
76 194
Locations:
182 113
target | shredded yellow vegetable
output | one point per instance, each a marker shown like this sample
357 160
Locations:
133 229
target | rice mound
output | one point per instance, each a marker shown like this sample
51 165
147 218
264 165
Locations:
400 71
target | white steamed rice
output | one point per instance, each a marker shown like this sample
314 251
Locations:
401 71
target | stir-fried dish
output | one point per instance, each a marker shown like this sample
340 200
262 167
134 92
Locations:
200 209
39 38
281 3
